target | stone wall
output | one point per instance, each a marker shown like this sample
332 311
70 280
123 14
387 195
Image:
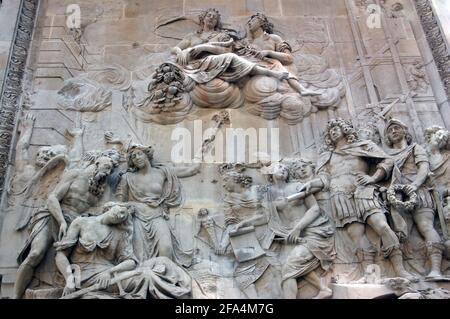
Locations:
8 17
88 80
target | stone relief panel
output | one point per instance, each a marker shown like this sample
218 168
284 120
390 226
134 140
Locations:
123 183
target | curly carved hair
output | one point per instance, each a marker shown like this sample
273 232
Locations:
349 131
443 136
295 165
148 150
241 179
202 15
266 25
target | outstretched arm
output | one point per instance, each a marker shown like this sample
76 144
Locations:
257 220
187 171
23 145
77 150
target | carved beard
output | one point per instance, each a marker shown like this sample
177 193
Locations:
97 184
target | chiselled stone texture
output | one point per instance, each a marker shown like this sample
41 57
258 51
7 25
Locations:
12 88
436 39
224 149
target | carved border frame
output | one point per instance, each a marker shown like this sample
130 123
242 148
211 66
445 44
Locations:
13 85
436 40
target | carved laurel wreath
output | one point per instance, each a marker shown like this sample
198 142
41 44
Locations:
409 204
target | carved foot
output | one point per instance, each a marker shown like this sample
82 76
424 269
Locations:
282 76
406 275
436 276
324 294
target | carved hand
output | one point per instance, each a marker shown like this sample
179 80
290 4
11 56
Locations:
28 121
411 188
62 230
69 289
365 180
111 138
183 57
77 131
293 237
263 53
305 188
104 280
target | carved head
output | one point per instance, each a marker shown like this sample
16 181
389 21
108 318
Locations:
46 153
103 167
302 169
139 157
233 181
368 131
276 171
339 129
119 215
396 131
202 213
437 137
210 18
259 20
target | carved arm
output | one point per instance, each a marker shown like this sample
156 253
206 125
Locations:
23 156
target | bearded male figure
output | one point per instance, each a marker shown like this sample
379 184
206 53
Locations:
78 191
343 170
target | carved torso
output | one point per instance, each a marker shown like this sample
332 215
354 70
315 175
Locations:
343 169
148 185
78 198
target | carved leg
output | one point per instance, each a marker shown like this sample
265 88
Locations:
391 244
296 85
259 70
318 282
424 220
25 272
396 258
356 233
435 251
290 288
251 292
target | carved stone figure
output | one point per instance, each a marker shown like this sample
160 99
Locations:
204 220
78 190
100 250
416 77
246 230
412 169
26 167
311 234
438 147
270 50
355 200
154 189
269 229
220 62
438 142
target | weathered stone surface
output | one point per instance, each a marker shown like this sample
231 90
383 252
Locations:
336 187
